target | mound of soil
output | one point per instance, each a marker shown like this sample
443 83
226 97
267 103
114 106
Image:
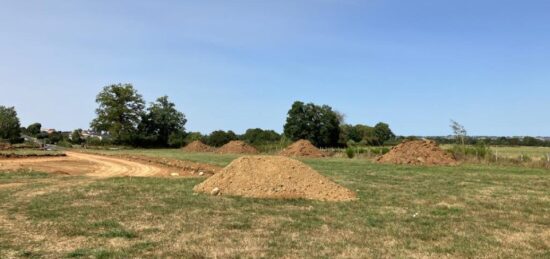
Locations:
418 152
302 148
237 147
273 177
198 146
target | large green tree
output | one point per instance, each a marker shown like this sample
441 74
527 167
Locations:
383 132
10 128
318 124
34 129
119 113
164 120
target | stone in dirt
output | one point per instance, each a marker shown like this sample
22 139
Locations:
418 152
237 147
302 148
197 146
274 177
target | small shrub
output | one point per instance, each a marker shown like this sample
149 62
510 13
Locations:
350 152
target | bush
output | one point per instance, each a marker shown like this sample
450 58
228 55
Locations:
479 151
219 138
260 136
177 139
350 152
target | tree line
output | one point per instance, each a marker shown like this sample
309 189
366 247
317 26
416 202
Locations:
125 119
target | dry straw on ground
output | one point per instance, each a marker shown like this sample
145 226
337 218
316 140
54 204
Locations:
274 177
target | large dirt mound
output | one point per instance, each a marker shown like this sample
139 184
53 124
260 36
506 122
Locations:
273 177
237 147
302 148
197 146
418 152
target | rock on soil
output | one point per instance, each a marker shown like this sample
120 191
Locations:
237 147
273 177
418 152
302 148
197 146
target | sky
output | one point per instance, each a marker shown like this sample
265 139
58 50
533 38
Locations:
235 65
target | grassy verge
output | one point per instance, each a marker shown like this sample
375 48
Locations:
466 211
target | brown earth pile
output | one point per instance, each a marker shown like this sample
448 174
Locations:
418 152
302 148
237 147
273 177
198 146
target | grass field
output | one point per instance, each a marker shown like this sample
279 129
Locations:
465 211
516 152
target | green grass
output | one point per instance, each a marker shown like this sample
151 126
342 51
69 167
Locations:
403 211
517 152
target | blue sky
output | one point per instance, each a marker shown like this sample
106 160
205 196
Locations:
240 64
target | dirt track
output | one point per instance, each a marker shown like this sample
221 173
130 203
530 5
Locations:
86 164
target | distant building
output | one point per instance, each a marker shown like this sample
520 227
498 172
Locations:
94 134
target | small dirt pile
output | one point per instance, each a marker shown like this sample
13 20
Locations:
237 147
418 152
302 148
197 146
273 177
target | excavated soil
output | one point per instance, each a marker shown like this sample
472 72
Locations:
76 163
187 166
302 148
237 147
418 152
198 146
273 177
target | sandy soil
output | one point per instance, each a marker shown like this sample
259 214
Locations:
90 165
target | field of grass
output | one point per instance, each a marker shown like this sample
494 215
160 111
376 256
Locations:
403 211
516 152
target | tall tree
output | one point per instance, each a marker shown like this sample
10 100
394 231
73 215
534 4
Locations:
163 119
10 128
459 132
318 124
34 129
120 111
383 132
76 137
